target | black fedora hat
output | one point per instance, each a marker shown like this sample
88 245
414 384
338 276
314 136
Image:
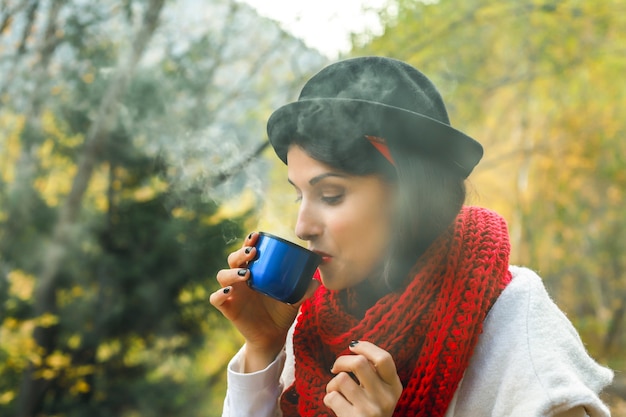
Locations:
374 96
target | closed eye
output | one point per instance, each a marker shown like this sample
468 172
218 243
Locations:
333 200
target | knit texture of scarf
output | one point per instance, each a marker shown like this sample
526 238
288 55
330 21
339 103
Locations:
430 327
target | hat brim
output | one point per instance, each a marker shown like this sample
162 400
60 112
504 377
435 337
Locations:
351 119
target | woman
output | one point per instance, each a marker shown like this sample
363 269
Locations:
415 310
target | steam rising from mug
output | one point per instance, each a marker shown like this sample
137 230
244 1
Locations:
282 269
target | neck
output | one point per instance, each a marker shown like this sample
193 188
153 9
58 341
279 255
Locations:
365 294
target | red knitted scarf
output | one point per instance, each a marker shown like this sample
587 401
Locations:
430 327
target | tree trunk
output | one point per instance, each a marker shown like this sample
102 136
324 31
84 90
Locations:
33 389
615 324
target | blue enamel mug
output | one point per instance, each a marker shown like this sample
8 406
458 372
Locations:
282 269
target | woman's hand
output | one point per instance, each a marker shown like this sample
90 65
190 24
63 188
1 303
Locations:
366 383
262 321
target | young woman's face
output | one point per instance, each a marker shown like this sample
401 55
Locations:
344 218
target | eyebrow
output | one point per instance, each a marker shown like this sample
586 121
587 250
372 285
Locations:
320 177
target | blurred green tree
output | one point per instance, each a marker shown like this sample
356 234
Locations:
120 141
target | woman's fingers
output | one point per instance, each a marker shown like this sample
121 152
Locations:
345 383
380 360
336 400
230 280
367 382
240 258
228 277
219 297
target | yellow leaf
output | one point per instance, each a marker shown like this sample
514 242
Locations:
46 374
47 320
74 341
58 360
21 284
6 397
88 78
80 387
107 350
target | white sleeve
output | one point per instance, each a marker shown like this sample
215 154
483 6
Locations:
253 394
530 361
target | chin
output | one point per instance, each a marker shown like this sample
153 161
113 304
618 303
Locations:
327 280
331 284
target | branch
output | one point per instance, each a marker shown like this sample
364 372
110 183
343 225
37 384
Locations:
238 166
21 49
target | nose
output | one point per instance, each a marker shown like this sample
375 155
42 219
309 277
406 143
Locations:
308 225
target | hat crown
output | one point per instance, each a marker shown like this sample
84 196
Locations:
380 80
350 100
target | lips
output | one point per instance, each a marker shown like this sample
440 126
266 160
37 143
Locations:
325 256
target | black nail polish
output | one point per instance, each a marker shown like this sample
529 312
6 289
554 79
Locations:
247 251
250 236
226 290
242 272
354 343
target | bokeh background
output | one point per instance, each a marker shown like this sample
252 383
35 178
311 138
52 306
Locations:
133 158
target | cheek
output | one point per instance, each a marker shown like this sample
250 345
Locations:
375 233
343 231
363 238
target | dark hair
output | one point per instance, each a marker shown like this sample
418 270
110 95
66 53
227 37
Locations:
430 195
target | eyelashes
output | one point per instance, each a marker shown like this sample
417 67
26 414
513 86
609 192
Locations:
330 200
333 200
